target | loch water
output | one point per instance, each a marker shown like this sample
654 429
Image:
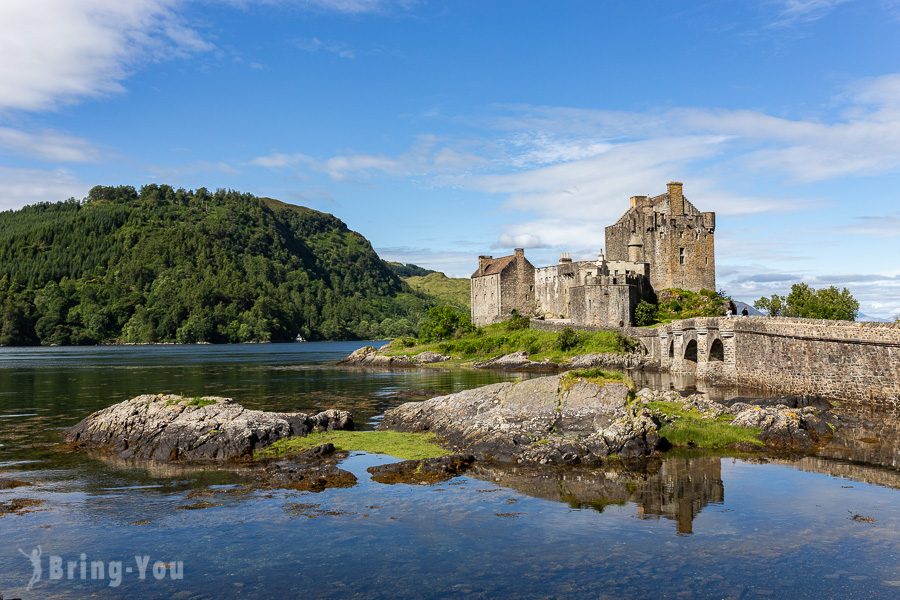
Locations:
685 526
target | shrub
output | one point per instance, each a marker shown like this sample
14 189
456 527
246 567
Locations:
517 321
566 339
645 313
625 343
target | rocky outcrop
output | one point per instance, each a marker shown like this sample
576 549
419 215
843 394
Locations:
782 427
425 471
369 356
173 428
544 420
610 360
517 361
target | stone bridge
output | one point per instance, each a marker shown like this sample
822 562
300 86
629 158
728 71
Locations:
835 359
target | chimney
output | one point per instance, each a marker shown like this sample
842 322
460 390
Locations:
520 252
637 201
483 261
676 198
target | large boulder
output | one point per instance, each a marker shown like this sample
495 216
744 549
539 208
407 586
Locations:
173 428
546 420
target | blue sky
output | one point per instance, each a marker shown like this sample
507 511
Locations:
446 129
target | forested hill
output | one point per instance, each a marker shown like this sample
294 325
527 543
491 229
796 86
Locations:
167 265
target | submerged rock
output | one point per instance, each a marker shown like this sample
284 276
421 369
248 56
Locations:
429 470
307 477
535 421
173 428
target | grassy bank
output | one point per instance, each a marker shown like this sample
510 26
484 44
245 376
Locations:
407 446
689 429
495 340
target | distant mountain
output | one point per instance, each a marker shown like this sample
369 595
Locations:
866 318
750 309
446 290
170 265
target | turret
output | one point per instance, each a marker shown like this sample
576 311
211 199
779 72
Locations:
635 248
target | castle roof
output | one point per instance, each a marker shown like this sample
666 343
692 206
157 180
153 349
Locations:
494 266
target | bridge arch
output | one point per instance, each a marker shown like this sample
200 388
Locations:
690 354
717 351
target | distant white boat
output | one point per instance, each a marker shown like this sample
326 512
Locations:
299 338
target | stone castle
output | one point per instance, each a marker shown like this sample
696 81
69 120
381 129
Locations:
662 242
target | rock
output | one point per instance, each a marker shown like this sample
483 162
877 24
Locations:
10 484
305 477
19 506
173 428
368 356
517 361
612 360
427 471
535 421
783 427
425 358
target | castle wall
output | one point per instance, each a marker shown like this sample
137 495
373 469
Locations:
832 359
517 287
485 295
603 305
553 286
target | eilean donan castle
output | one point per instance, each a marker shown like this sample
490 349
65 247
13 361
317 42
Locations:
662 242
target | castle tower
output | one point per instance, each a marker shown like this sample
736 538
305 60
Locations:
669 233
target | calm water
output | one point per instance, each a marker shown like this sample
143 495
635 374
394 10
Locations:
683 527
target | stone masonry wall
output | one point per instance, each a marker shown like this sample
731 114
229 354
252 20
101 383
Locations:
827 358
485 292
833 359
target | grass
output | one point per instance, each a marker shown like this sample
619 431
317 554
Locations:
196 401
495 340
597 376
406 446
688 428
449 290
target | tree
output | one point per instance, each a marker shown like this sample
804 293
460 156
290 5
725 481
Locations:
773 306
805 302
645 313
443 323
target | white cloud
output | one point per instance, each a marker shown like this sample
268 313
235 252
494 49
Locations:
314 44
47 145
348 7
792 12
58 51
19 187
878 293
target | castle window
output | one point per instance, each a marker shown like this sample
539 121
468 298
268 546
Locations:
681 255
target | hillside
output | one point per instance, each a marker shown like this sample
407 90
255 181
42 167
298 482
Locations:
167 265
447 290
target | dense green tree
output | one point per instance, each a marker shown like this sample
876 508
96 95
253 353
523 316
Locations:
443 323
804 301
166 265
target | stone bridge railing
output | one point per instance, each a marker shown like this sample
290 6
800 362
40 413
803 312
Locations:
836 359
